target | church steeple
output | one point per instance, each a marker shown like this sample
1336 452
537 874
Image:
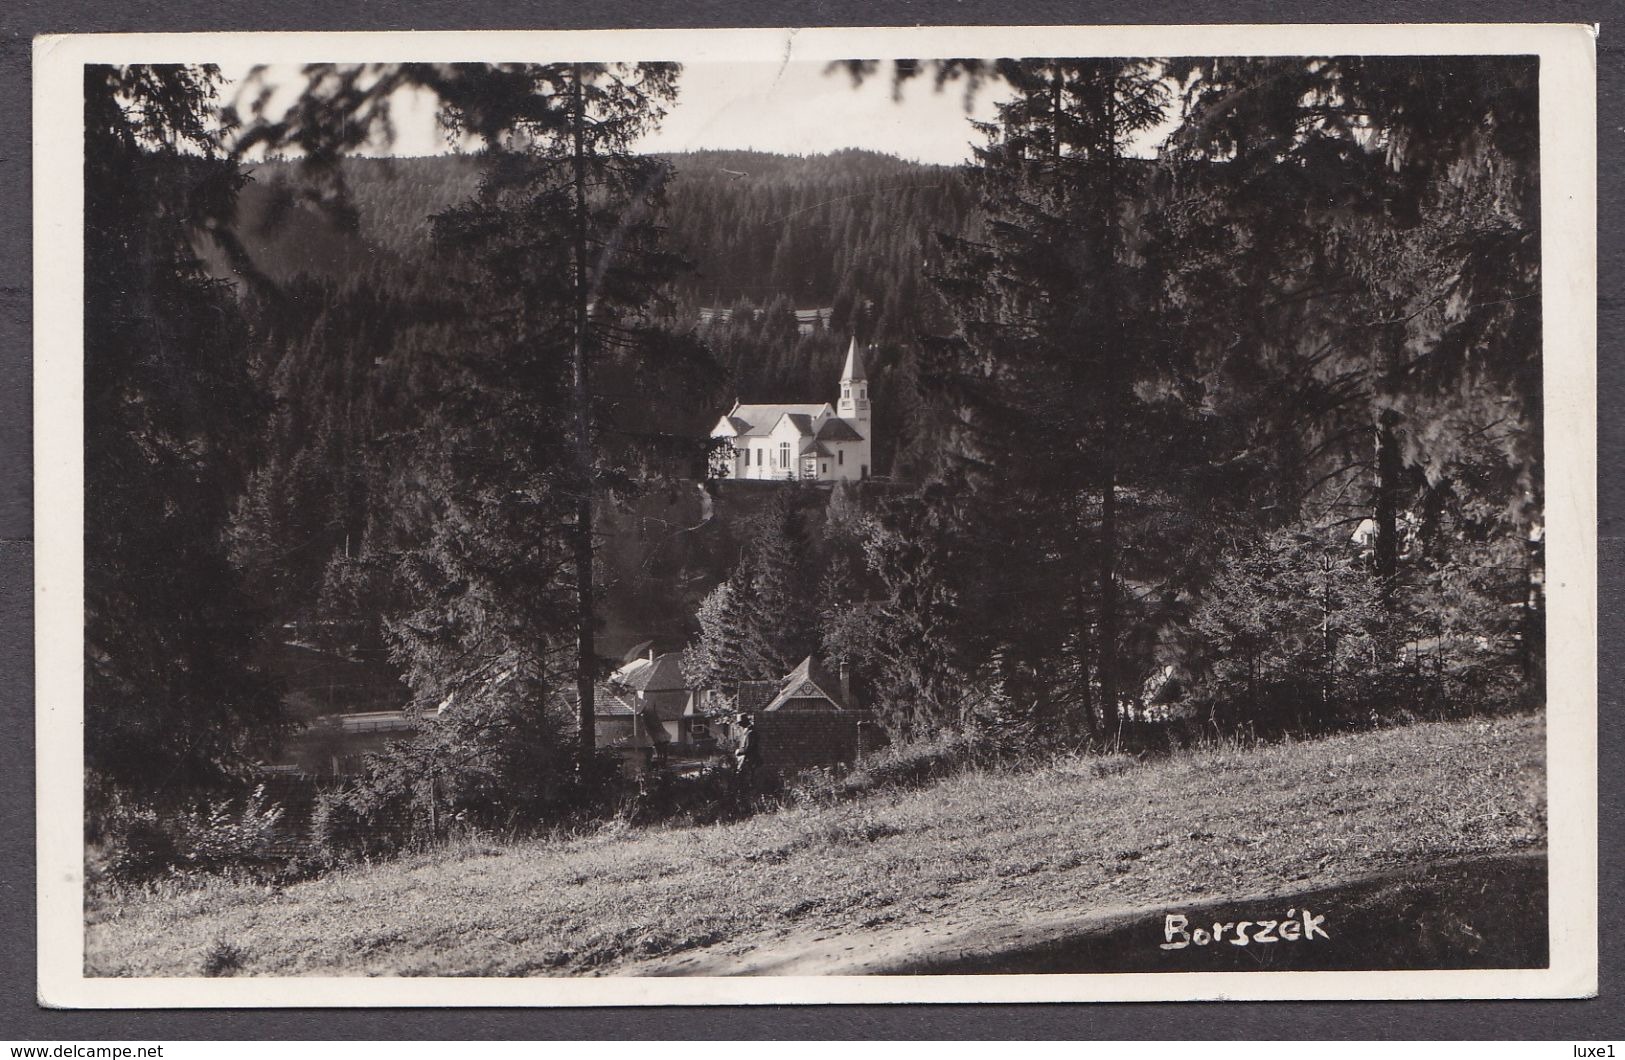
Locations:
853 372
854 403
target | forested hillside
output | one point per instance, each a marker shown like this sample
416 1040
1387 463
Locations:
763 234
351 321
851 230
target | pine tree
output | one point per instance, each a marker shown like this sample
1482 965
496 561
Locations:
1058 374
725 651
923 639
1402 193
784 615
174 701
1362 268
565 268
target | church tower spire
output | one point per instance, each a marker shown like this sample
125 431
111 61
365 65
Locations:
854 403
853 372
853 407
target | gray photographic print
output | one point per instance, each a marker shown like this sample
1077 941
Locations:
847 515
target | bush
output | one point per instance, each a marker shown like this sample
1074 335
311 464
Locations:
222 839
136 845
376 815
914 764
1297 633
906 765
338 831
140 842
222 958
410 797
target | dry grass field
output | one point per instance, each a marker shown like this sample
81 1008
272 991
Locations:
958 875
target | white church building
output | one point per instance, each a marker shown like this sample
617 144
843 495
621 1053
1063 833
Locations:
816 442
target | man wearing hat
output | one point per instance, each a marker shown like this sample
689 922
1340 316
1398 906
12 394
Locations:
747 748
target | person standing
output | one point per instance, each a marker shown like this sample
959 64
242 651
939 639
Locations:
747 752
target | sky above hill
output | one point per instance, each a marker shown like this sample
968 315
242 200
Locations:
789 108
798 108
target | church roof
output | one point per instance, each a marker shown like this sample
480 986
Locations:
838 430
801 421
811 447
756 421
854 363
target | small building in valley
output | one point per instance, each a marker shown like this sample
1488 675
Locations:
647 706
809 720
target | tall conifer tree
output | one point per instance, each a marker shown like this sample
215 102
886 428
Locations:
1055 369
565 273
173 699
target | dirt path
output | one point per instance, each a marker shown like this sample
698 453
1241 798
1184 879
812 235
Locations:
1478 913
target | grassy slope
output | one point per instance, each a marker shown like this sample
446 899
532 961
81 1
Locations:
1000 847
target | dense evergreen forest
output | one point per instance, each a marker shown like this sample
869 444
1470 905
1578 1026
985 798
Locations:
764 235
352 310
1241 437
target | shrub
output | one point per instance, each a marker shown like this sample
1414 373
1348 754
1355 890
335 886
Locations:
913 764
375 815
136 845
222 958
338 832
141 842
222 838
906 765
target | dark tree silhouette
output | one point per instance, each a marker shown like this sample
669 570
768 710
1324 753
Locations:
174 702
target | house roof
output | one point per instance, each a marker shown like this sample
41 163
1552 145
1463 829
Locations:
812 447
607 703
838 430
666 706
661 674
759 420
368 721
796 686
669 705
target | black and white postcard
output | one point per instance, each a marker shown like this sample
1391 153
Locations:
699 517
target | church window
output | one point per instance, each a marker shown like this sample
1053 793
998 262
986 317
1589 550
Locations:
784 454
747 458
846 392
840 456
